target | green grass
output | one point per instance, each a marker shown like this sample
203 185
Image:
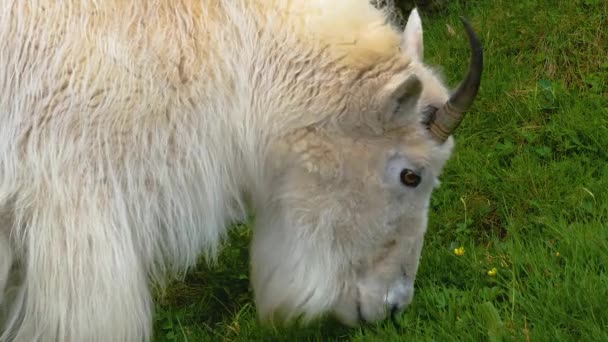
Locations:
525 192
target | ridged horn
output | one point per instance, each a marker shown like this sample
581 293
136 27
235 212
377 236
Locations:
448 117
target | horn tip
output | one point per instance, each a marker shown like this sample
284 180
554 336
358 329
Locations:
473 39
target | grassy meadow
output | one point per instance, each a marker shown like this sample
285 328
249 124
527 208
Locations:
525 195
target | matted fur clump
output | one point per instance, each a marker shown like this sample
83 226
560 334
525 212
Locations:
133 133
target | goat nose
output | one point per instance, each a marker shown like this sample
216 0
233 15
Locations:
395 309
399 295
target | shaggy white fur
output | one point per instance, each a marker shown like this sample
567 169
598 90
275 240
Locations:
133 133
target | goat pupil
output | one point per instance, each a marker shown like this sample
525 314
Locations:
410 178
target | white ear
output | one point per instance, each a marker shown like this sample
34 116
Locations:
411 42
402 96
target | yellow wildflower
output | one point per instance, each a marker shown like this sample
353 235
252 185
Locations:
556 254
459 251
492 272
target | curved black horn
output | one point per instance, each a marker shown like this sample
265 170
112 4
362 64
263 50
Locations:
448 117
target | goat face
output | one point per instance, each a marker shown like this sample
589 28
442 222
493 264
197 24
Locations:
342 229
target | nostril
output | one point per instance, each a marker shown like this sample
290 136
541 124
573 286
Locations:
394 310
394 313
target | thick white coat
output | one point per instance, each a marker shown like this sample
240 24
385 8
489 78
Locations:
133 133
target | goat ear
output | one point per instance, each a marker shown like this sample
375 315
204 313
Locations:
411 41
403 96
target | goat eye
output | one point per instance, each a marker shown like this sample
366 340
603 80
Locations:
409 178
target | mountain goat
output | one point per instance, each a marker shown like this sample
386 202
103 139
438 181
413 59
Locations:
132 133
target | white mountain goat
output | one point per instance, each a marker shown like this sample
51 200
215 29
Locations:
132 133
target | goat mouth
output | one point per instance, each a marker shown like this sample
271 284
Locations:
360 317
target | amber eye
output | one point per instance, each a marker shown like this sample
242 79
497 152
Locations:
409 178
